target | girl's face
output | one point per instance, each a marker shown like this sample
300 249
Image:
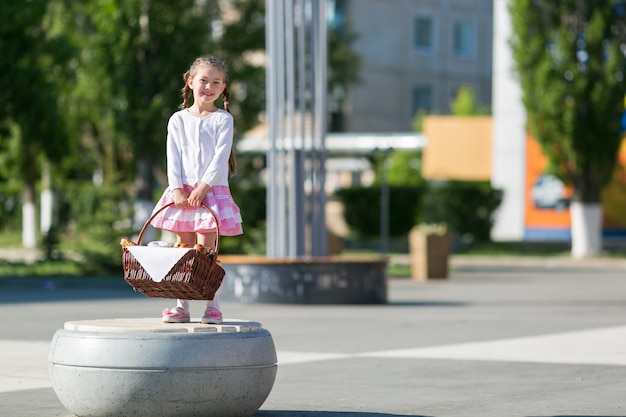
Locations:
208 83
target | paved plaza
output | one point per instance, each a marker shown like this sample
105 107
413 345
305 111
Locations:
533 337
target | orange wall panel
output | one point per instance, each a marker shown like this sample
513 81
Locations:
536 216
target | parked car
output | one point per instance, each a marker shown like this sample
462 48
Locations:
549 192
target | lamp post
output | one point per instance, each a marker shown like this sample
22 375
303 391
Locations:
384 203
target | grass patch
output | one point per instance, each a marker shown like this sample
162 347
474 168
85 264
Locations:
514 249
399 270
81 255
10 239
41 268
543 249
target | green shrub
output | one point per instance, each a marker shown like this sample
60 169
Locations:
93 220
362 209
252 202
467 207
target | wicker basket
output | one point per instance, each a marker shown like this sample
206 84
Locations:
195 276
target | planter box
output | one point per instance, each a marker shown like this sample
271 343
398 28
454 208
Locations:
429 255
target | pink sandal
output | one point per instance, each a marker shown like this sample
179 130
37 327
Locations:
212 316
176 315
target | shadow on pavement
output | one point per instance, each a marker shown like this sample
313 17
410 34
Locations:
295 413
20 403
39 289
54 289
427 304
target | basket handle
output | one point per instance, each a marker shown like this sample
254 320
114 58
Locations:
145 226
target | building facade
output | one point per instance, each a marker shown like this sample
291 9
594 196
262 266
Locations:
416 54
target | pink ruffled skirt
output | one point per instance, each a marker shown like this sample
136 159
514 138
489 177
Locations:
199 220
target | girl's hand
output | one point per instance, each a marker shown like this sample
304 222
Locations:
196 197
180 198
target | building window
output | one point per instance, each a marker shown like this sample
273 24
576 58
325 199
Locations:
464 39
422 99
424 34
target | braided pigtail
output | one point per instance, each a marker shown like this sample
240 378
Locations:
186 92
226 95
232 161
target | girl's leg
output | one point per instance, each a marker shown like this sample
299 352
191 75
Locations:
215 302
208 240
180 313
212 314
188 238
184 304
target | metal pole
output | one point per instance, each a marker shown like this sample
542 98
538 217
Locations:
290 79
299 162
384 206
281 179
276 227
270 40
318 226
296 82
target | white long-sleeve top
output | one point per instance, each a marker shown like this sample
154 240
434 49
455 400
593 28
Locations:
198 148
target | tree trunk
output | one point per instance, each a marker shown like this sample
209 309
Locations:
586 211
46 206
586 229
29 215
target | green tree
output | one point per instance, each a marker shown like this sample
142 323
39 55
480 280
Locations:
129 76
571 66
402 167
99 148
149 44
466 104
106 75
136 52
343 71
242 46
33 66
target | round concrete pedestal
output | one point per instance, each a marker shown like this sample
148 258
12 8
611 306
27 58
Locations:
142 367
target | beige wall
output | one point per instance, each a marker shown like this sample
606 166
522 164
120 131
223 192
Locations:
457 148
392 68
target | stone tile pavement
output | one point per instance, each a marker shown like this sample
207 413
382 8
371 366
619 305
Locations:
500 337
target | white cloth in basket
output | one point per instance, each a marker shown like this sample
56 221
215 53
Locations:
156 261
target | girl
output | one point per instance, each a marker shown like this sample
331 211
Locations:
199 160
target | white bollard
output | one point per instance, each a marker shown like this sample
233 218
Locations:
142 367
